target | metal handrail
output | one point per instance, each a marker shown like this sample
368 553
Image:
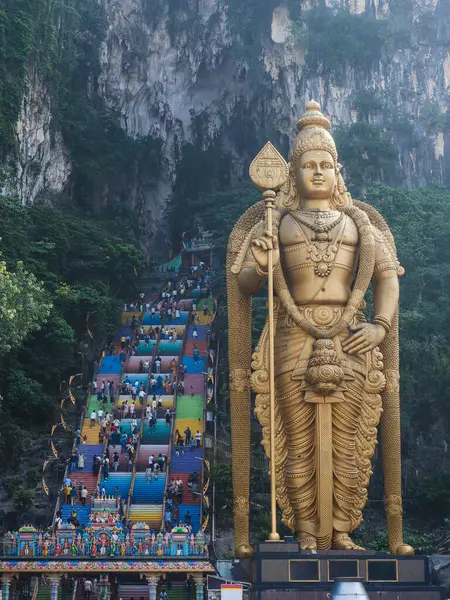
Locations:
34 587
66 470
172 428
74 593
141 429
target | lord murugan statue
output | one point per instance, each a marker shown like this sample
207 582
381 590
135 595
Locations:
336 374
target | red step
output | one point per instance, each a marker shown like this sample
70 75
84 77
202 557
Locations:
188 498
88 479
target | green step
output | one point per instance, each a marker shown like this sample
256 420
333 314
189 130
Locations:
45 592
190 407
177 592
94 404
209 303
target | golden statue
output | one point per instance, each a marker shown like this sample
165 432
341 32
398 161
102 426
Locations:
335 374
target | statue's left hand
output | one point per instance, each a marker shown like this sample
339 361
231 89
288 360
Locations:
367 336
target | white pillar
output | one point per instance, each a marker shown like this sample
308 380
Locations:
55 580
6 586
152 581
199 581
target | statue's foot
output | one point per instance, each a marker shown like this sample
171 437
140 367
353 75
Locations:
307 541
342 541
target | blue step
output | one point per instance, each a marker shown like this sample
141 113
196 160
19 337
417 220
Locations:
152 320
160 379
110 365
83 512
187 462
121 480
125 425
89 451
148 493
125 330
193 366
158 436
201 330
195 514
133 377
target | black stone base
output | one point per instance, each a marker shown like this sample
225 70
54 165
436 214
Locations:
280 571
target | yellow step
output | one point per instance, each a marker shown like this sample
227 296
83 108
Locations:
143 513
128 316
91 433
194 425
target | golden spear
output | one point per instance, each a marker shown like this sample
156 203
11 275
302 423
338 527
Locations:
269 171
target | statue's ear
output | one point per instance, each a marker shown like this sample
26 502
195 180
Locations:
287 196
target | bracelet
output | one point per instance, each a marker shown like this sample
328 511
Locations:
260 272
385 323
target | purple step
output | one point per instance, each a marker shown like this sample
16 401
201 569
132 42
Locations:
187 462
201 330
89 452
194 384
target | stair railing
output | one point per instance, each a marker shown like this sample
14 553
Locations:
66 470
108 430
74 592
34 587
172 428
141 429
136 454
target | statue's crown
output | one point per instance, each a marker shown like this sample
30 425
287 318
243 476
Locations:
313 133
313 117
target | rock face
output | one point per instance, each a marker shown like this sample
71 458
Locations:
43 161
234 73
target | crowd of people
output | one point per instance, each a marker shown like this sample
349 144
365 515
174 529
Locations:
121 447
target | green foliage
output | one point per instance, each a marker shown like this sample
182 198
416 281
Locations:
432 496
86 267
22 500
368 156
420 221
433 119
340 39
16 44
24 305
11 483
374 537
33 477
367 103
251 18
64 39
198 172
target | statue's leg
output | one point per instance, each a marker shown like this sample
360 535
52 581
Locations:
354 438
299 425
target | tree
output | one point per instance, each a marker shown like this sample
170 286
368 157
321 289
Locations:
24 305
22 500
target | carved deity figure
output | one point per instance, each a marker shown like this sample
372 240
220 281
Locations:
336 374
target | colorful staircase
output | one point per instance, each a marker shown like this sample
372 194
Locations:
146 498
190 413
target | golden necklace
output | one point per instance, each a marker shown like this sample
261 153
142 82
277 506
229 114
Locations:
322 248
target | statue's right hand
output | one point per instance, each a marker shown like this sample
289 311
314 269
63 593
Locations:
261 247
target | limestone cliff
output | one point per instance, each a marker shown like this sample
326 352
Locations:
232 73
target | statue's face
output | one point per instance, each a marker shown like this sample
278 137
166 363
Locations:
315 175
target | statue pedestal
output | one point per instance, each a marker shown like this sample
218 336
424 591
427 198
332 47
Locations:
280 571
